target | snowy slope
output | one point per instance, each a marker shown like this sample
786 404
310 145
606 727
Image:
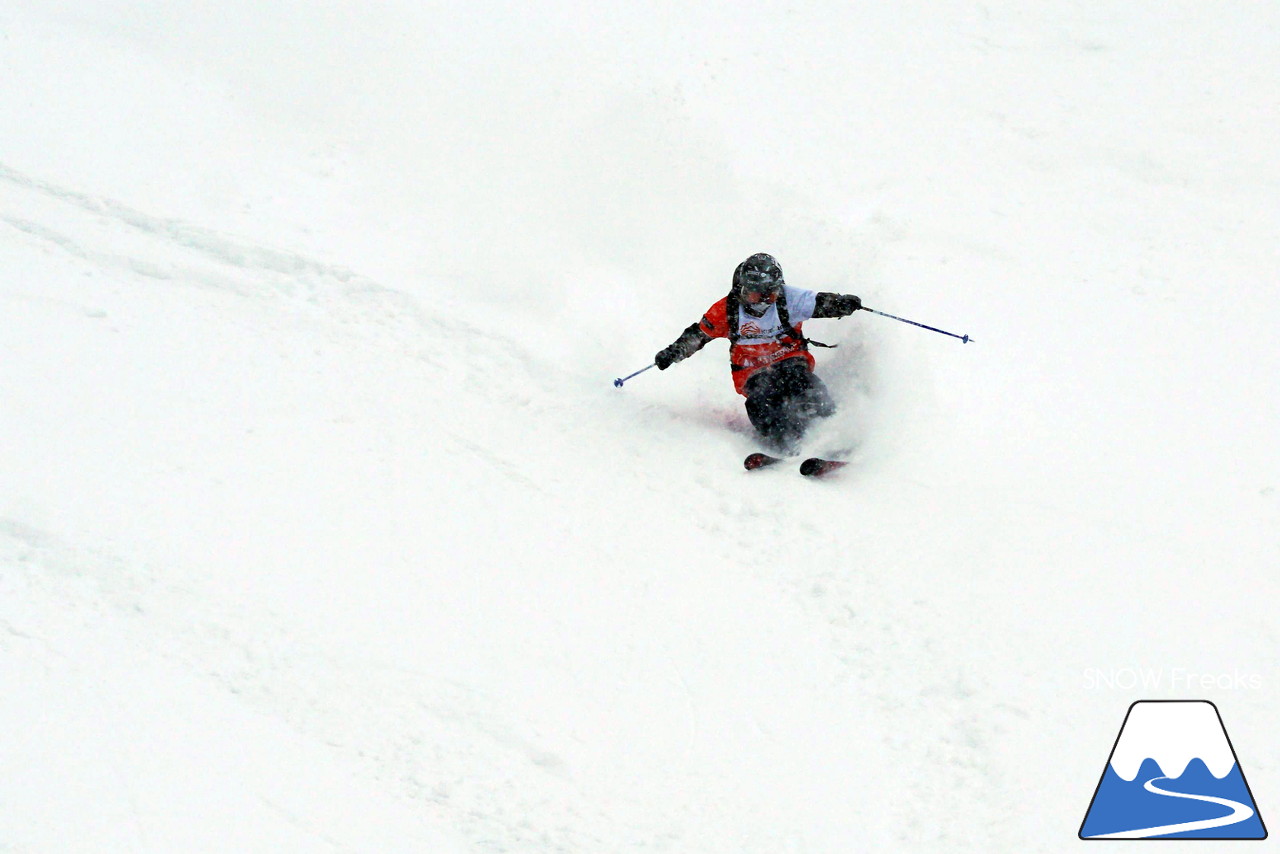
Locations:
322 527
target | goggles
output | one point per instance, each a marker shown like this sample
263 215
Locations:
761 285
753 294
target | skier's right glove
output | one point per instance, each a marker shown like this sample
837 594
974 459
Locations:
668 356
690 341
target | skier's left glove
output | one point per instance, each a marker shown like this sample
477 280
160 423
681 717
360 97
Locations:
836 305
846 304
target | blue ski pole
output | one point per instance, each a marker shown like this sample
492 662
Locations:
964 338
618 382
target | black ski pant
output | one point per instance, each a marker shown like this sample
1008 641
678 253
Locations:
783 399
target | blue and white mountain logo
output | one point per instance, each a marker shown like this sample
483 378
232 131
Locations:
1173 774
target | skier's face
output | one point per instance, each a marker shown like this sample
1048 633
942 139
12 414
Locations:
760 297
760 288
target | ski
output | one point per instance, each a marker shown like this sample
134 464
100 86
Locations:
812 467
817 467
759 461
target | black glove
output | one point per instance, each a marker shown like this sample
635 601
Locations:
847 304
690 341
835 305
667 357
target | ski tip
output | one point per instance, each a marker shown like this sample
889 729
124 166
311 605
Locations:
817 467
758 461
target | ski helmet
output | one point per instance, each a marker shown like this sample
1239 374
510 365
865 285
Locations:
758 279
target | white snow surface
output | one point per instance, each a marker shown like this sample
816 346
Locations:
322 527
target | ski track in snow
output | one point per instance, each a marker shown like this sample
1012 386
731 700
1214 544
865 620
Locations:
169 250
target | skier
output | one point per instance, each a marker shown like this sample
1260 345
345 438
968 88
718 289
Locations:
768 354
